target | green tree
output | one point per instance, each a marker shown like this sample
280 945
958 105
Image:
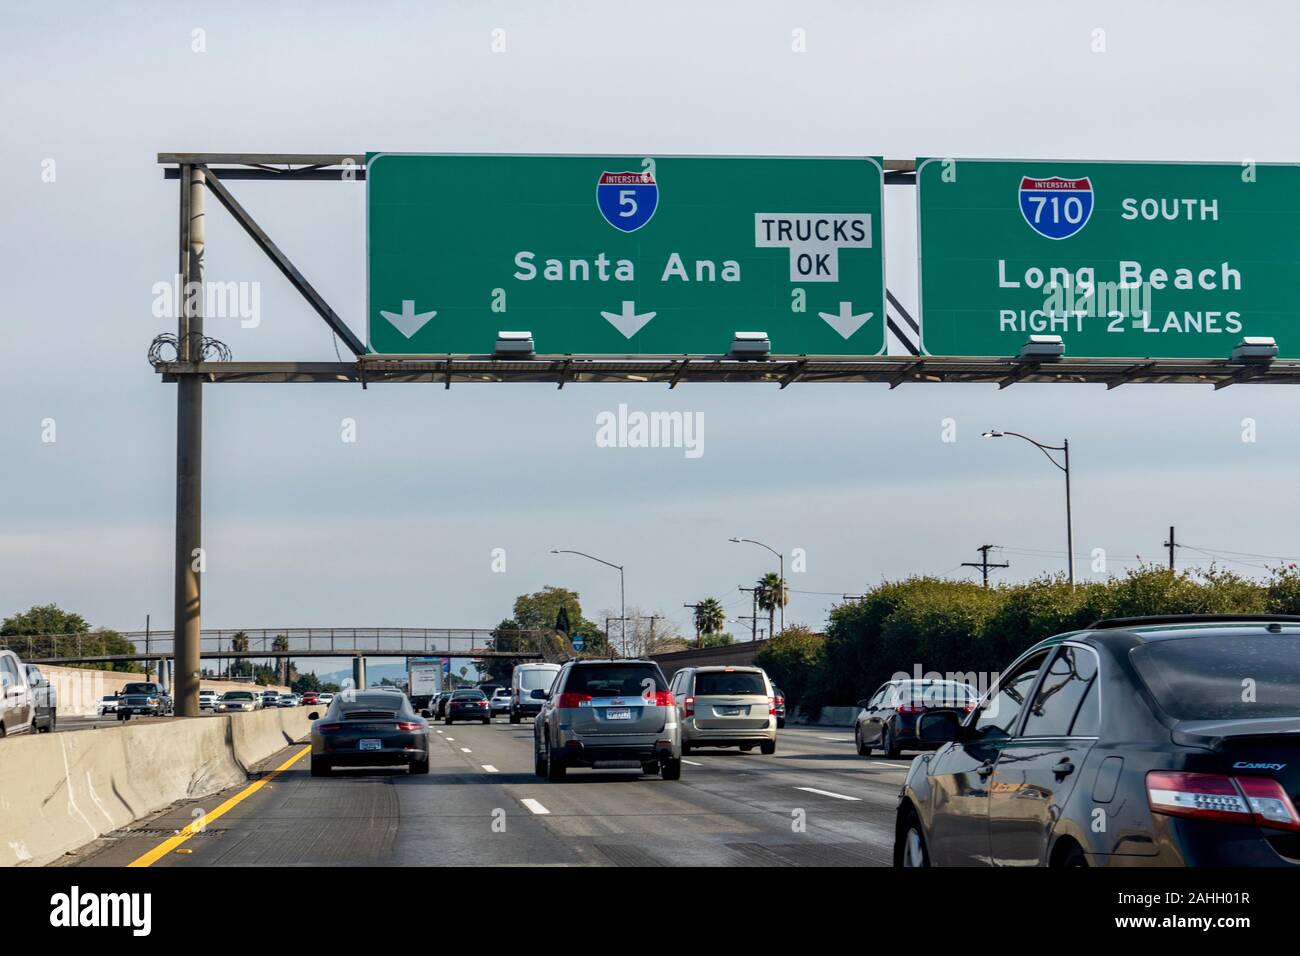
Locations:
771 594
709 619
562 620
717 640
44 619
792 660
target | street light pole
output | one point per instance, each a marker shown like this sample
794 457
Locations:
622 593
781 558
1047 450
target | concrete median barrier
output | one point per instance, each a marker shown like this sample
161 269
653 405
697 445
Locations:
60 791
829 717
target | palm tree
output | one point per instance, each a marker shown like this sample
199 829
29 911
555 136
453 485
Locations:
771 594
281 643
709 617
238 645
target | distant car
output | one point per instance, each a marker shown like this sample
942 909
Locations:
528 686
1137 723
208 699
15 696
779 701
310 697
324 698
888 720
468 705
369 728
45 705
438 708
108 704
499 702
237 701
601 711
270 698
725 707
287 700
146 698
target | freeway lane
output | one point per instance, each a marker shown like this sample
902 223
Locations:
814 802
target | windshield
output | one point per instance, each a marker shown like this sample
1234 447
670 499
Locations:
1222 677
140 689
238 695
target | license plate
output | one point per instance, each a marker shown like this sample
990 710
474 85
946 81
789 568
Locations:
370 745
728 711
618 713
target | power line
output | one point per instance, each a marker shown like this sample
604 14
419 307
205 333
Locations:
984 564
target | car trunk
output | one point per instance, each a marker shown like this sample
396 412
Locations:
731 701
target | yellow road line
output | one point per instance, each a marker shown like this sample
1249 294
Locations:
171 843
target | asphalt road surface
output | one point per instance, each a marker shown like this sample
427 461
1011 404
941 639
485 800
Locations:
815 802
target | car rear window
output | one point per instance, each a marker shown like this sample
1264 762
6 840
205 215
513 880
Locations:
536 679
468 694
614 680
940 693
1222 677
722 683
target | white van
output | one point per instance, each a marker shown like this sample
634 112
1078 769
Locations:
528 687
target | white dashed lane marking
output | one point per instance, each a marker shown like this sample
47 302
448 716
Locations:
489 768
827 793
534 806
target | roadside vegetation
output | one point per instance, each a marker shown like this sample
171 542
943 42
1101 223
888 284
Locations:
929 624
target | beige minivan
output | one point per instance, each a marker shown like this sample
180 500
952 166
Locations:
725 707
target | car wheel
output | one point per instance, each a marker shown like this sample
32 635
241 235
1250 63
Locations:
911 850
320 767
767 747
539 760
487 720
863 749
780 723
514 718
419 766
670 769
887 746
555 769
447 721
54 719
686 748
1072 856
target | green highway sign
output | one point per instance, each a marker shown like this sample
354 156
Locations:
619 255
1144 260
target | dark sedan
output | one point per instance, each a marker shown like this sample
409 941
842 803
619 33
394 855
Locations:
468 705
373 728
887 722
1170 741
438 706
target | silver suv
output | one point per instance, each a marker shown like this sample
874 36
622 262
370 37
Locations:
725 707
607 712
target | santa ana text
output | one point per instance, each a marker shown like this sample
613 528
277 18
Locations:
605 269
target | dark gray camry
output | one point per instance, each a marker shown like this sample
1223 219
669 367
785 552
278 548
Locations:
372 728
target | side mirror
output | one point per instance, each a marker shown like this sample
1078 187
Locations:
863 704
313 716
424 712
940 726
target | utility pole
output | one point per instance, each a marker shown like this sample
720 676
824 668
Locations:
695 607
1171 544
753 620
189 446
983 563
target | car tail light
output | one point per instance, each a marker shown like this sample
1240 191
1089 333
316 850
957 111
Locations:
573 700
482 703
688 706
778 701
408 725
329 728
664 698
1212 796
910 708
771 706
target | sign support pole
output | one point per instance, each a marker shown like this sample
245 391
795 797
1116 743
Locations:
189 446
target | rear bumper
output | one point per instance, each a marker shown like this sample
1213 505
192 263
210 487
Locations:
706 736
579 753
397 748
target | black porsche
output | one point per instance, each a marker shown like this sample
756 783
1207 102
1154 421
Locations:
372 728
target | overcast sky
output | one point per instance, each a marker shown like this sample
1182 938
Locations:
398 528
